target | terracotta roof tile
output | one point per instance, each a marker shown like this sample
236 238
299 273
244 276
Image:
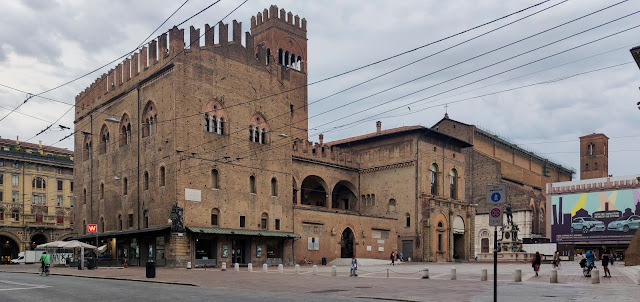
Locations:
374 134
10 142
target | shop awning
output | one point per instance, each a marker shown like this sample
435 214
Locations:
241 232
120 233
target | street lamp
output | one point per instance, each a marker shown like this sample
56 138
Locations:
112 119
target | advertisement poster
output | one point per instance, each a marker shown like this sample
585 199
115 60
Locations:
225 251
259 251
595 216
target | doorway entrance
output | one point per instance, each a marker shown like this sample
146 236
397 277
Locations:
407 249
238 251
346 250
458 246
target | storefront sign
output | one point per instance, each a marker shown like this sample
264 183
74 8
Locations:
259 251
225 251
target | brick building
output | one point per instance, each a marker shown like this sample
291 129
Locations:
35 196
215 137
494 160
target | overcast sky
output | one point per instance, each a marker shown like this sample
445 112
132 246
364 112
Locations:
47 43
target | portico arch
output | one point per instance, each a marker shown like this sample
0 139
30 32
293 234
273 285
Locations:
314 191
343 196
9 248
347 243
459 242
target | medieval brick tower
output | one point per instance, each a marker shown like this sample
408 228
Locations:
594 156
280 38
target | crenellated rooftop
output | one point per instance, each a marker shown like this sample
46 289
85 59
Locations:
322 152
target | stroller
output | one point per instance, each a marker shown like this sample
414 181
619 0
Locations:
586 268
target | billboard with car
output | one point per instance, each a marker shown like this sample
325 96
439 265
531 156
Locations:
595 216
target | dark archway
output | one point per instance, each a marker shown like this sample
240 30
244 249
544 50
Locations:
314 191
347 242
343 196
9 249
38 239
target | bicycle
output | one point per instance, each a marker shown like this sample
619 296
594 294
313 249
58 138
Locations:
556 264
44 270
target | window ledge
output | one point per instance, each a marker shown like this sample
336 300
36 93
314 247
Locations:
253 193
215 189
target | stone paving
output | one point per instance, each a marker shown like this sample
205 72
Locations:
404 282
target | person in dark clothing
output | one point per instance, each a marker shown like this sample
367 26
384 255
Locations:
535 262
393 258
605 261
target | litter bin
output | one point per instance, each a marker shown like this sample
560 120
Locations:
79 264
151 269
92 263
324 261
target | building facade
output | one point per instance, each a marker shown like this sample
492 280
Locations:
201 155
494 160
36 199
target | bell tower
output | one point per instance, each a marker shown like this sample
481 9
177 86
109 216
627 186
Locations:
594 156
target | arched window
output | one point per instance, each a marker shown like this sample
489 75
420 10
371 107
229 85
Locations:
264 221
440 224
84 196
286 58
104 139
252 184
221 126
206 122
214 217
162 176
125 186
392 205
150 119
433 179
214 124
453 184
298 63
145 181
280 56
484 245
274 187
293 61
258 129
268 55
86 147
146 218
251 133
38 183
215 179
101 190
263 136
125 130
60 218
407 218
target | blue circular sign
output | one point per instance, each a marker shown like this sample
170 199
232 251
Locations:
495 197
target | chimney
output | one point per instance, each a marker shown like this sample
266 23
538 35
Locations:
378 127
40 143
321 138
17 140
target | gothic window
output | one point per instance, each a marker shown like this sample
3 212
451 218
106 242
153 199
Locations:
280 58
104 139
125 130
86 147
215 117
258 129
286 58
453 184
433 179
221 126
214 124
150 119
207 122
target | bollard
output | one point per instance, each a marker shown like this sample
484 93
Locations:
236 267
334 270
224 266
189 265
281 268
638 281
425 273
250 267
595 276
483 274
315 269
453 273
554 276
409 259
517 275
265 268
297 268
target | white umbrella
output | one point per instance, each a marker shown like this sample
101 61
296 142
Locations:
52 244
77 244
102 249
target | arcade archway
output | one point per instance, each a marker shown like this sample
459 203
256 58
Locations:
9 249
37 239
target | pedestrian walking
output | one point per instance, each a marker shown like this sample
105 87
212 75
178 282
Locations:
400 258
354 267
393 258
535 262
613 257
606 254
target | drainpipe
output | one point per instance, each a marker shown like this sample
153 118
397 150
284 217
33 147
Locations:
417 191
91 170
138 163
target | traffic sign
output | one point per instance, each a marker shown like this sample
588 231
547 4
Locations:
496 194
92 228
495 216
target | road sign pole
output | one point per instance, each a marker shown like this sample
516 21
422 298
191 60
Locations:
495 264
